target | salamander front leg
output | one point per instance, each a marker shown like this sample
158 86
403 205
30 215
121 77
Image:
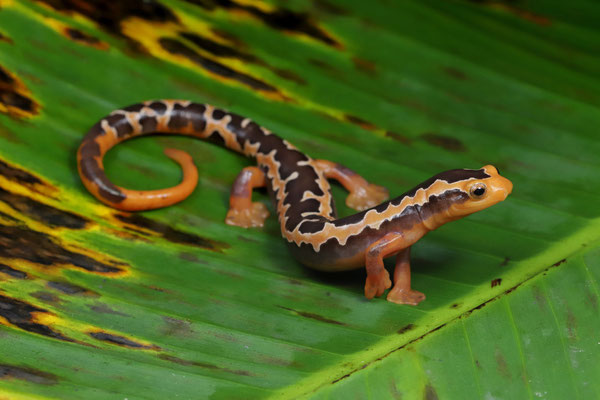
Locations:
402 293
242 210
363 194
378 279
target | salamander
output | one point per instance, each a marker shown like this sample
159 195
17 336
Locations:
298 186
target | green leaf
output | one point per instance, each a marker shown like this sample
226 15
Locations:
96 303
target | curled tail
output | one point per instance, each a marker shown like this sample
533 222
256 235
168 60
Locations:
163 116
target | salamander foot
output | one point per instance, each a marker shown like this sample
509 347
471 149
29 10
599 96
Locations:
405 296
376 284
254 216
364 197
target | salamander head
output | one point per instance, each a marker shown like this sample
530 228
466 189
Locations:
458 193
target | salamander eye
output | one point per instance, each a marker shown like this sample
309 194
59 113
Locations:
477 191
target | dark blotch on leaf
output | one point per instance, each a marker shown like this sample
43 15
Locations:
314 316
281 19
80 36
41 212
445 142
496 282
181 361
455 73
406 328
18 175
20 314
15 273
169 233
430 393
360 122
110 14
178 48
69 288
15 96
120 340
18 242
398 137
28 374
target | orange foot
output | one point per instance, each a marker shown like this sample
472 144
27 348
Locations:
248 217
377 284
367 197
402 296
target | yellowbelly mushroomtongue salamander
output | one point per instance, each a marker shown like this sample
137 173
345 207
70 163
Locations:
299 189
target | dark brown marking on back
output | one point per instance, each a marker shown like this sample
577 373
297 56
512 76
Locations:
133 108
159 107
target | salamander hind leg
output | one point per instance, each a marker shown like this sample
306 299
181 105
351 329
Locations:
402 293
363 194
242 210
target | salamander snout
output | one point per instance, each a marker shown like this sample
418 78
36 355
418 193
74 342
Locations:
482 193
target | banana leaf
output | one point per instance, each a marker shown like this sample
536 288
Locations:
173 303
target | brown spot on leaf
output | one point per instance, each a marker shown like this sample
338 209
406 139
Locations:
23 315
360 122
14 273
289 75
406 328
430 393
400 138
323 65
281 19
455 305
121 341
41 212
496 282
104 309
4 38
501 364
556 264
571 325
445 142
152 227
18 242
28 374
15 98
316 317
70 288
205 365
45 297
110 14
83 38
455 73
365 66
25 178
178 48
